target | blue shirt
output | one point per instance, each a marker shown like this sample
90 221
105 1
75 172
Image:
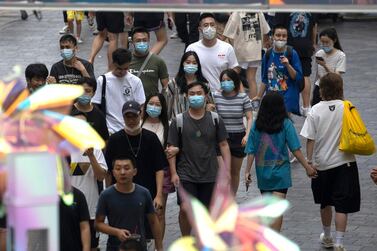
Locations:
271 156
276 78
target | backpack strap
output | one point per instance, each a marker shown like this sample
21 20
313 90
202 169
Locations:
144 64
103 95
289 53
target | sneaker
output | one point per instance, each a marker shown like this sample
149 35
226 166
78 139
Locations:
339 248
304 111
64 30
95 32
327 242
174 35
79 41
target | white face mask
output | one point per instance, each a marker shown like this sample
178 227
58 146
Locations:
209 32
279 44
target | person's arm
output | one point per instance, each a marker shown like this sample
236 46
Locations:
98 171
156 230
314 35
101 226
173 171
249 118
225 152
85 235
159 183
291 71
164 83
310 171
80 67
249 164
309 150
262 90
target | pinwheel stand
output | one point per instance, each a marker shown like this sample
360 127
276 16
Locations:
32 202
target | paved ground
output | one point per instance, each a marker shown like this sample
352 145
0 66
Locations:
24 42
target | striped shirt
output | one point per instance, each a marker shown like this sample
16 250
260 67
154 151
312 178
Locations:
232 109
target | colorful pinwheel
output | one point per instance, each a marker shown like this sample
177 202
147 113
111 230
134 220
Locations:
229 226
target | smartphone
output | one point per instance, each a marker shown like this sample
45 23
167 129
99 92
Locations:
320 58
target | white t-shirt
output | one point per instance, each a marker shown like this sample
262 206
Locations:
336 62
82 177
157 128
214 60
324 125
118 92
247 30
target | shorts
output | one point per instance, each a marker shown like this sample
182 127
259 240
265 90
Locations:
75 15
94 236
149 20
112 21
234 141
284 191
201 191
167 186
251 64
3 221
306 64
338 187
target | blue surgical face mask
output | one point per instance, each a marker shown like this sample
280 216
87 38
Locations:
190 68
153 110
196 101
227 85
67 54
327 49
142 47
84 99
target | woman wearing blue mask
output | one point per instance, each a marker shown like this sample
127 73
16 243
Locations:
232 105
330 58
155 119
189 71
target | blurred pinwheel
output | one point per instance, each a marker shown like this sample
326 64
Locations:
38 122
229 226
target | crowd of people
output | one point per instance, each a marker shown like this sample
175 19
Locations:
163 133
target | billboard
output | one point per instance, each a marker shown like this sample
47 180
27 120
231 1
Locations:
369 6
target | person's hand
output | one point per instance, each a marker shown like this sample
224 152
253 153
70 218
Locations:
157 202
311 171
247 180
321 62
244 140
123 234
78 65
175 180
284 60
171 151
51 80
210 107
89 152
373 175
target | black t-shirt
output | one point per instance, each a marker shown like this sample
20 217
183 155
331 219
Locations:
97 120
150 158
70 75
300 30
70 218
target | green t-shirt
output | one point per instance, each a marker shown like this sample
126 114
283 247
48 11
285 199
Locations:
154 71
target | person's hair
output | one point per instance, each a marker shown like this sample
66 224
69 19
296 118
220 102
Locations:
233 75
333 35
222 18
205 15
89 81
331 86
180 78
130 244
125 156
139 29
197 83
121 56
272 113
36 70
68 38
278 26
74 112
163 116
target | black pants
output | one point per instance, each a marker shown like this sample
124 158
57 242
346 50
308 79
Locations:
192 34
316 96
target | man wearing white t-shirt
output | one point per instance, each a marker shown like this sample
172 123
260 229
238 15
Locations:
214 54
121 87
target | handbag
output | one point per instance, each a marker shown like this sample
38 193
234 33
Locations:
355 138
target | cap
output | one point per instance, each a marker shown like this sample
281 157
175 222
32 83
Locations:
205 15
132 107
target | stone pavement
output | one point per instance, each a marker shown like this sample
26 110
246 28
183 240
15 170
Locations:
24 42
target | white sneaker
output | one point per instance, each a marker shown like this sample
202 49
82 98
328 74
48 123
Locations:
304 111
327 242
339 248
174 35
64 30
79 41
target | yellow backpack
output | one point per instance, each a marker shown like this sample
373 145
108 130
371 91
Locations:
355 138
